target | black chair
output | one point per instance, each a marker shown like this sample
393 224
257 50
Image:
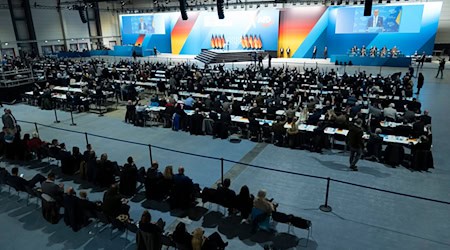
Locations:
130 227
50 209
33 193
104 219
166 240
394 154
282 218
299 222
12 186
422 160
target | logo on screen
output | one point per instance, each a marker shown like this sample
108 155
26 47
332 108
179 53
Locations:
265 21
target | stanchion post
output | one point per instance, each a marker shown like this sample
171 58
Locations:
325 207
150 153
36 128
56 116
71 117
221 169
86 136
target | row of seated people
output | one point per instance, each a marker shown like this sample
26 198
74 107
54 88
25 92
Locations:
79 210
104 173
374 51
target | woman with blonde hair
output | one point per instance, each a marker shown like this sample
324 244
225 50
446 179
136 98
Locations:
166 183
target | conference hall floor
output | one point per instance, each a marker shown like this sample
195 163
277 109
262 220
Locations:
361 218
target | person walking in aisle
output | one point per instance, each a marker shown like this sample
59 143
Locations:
355 143
441 67
420 80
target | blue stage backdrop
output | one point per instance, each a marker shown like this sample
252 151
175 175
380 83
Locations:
239 30
409 26
153 29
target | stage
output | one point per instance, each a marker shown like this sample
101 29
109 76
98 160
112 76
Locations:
372 61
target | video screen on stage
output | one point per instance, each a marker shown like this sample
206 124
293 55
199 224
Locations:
384 19
143 24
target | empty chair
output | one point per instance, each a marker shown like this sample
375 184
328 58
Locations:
299 222
50 209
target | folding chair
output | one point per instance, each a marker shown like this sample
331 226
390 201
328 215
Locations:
303 224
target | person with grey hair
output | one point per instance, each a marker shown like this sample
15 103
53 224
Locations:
390 113
355 143
263 204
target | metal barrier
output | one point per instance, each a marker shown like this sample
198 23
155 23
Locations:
325 207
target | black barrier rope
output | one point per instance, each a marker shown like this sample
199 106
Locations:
326 206
392 192
48 126
277 170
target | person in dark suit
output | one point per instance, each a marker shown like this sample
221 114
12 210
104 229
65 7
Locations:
421 60
420 81
155 229
72 213
196 123
181 236
325 53
50 188
426 118
20 183
183 189
375 20
152 183
88 207
441 68
142 26
355 143
113 204
227 196
314 52
128 178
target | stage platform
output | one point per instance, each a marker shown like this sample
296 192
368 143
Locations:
225 56
373 61
323 64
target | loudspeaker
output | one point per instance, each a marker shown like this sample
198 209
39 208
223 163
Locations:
220 9
82 12
368 8
184 15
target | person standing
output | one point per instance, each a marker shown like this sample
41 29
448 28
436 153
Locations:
155 51
288 52
10 122
134 55
314 52
281 52
420 80
270 61
441 67
325 53
355 143
422 60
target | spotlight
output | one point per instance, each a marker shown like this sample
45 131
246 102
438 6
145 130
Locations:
6 44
